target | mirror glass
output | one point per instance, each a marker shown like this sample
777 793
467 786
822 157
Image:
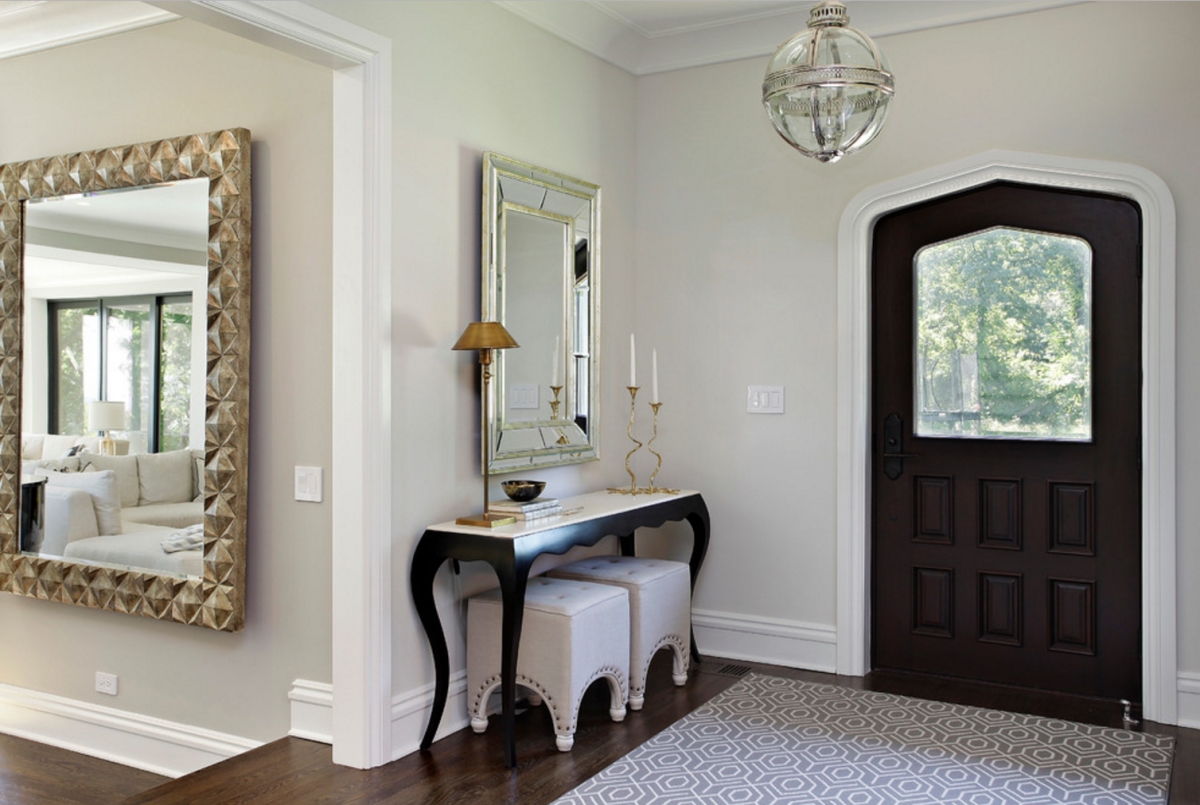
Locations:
124 378
541 266
114 284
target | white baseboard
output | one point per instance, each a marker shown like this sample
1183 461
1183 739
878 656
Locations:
143 742
1188 688
792 644
312 710
410 714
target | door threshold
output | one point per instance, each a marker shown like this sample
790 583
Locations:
997 696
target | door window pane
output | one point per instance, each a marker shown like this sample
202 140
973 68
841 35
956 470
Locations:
1003 337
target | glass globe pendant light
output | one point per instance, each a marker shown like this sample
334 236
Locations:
827 88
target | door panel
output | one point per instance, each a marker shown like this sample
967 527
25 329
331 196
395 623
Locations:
1006 538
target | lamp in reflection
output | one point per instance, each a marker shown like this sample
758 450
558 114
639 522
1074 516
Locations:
486 336
105 416
827 89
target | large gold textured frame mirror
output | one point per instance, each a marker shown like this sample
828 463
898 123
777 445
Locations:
214 597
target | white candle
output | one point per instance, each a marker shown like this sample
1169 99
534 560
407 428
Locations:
654 376
554 361
632 363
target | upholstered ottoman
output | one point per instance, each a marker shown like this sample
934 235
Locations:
572 634
660 609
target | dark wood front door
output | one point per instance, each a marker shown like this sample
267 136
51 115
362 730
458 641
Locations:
1006 404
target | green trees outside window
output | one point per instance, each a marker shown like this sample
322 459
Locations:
1003 336
136 350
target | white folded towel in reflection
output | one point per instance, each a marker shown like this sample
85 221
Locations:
188 539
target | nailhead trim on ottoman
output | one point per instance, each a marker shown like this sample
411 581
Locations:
660 609
572 634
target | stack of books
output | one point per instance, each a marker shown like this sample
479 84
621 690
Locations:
532 510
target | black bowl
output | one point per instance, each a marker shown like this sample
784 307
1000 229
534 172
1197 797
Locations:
523 491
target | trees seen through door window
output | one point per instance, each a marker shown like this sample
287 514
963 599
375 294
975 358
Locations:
1004 331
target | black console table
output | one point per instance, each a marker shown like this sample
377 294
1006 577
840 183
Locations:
510 550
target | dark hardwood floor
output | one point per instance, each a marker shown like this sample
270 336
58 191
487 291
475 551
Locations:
467 768
36 774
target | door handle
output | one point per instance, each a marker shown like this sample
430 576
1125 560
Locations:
893 446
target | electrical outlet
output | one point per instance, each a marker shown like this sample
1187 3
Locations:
106 683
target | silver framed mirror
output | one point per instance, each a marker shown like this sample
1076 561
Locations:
169 313
541 280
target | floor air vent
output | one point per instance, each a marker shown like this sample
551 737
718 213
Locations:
731 670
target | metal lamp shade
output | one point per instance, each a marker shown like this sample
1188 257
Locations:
485 335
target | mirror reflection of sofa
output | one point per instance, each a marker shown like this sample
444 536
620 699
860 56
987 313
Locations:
143 510
39 446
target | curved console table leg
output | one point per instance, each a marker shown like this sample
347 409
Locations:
513 581
426 562
700 528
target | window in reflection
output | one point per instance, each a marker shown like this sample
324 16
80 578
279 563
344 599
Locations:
175 359
75 339
143 359
583 339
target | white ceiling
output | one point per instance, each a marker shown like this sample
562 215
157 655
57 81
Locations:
639 36
172 214
653 36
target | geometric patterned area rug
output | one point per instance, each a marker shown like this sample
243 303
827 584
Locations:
773 740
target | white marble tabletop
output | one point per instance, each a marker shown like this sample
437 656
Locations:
577 509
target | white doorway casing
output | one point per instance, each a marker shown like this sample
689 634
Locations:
1159 661
361 66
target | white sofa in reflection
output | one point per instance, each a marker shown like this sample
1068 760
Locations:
154 488
71 531
119 509
38 446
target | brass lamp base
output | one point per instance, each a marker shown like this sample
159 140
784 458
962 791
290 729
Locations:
487 520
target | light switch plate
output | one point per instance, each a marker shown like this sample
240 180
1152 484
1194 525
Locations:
764 399
523 395
310 484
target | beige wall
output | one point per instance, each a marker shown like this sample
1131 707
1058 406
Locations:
719 250
470 77
162 82
736 276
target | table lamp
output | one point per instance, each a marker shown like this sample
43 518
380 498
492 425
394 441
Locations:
486 336
106 416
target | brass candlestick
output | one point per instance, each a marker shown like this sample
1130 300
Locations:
649 490
554 404
633 488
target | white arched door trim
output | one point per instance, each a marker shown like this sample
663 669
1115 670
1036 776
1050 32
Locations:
1159 663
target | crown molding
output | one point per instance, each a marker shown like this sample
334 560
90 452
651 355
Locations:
33 25
603 31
